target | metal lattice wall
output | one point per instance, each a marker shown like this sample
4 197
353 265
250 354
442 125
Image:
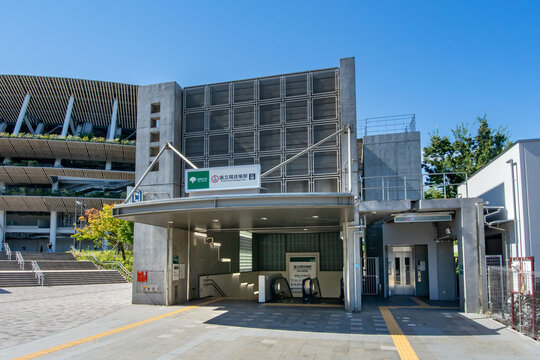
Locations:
267 121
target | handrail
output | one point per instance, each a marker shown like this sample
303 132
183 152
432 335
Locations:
38 273
19 259
74 250
385 185
118 267
211 282
7 249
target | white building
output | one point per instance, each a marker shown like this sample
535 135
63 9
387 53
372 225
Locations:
511 185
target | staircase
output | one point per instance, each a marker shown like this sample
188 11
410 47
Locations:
57 268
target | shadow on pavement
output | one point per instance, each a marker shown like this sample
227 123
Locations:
413 321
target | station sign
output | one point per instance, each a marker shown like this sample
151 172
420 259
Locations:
223 178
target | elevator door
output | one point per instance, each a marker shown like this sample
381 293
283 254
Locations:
402 273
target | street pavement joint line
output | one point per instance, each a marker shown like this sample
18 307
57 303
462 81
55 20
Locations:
111 332
419 302
403 346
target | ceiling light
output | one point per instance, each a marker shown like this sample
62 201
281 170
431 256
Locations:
215 244
305 229
315 216
243 284
225 259
235 274
170 222
215 220
200 234
264 218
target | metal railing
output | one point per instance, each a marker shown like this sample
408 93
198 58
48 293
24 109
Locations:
412 187
115 265
19 259
7 250
388 124
38 273
211 282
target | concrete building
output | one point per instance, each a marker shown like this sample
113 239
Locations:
334 202
66 145
510 185
240 184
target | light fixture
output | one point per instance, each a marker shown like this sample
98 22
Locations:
170 222
225 260
215 244
235 274
200 234
305 229
315 216
243 284
250 284
215 220
256 292
264 218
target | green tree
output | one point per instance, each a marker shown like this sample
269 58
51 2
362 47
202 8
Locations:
464 154
101 225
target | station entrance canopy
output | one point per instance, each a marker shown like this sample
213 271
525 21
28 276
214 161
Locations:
255 212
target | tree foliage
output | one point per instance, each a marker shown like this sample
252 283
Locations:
101 225
465 154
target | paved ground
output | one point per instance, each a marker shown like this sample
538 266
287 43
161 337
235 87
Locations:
227 329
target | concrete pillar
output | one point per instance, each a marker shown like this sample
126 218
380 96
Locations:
22 114
52 229
39 128
111 134
2 229
67 118
3 126
29 125
108 165
472 284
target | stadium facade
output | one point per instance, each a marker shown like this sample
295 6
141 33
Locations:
67 145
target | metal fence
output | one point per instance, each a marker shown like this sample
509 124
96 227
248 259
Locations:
370 278
412 187
514 299
388 124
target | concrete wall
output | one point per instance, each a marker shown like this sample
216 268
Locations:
154 246
395 156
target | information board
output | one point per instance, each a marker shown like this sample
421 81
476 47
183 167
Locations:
301 267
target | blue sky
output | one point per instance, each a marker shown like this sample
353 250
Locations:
445 61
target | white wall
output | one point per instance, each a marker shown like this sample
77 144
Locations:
493 183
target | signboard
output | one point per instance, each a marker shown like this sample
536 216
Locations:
176 272
137 196
223 178
301 267
413 218
142 276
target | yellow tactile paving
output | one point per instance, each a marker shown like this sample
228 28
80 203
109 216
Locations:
110 332
403 346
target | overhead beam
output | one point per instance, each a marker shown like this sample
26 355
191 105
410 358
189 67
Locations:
22 114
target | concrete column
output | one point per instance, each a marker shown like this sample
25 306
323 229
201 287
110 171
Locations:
2 229
39 128
3 126
108 165
52 229
22 114
29 125
67 118
111 134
